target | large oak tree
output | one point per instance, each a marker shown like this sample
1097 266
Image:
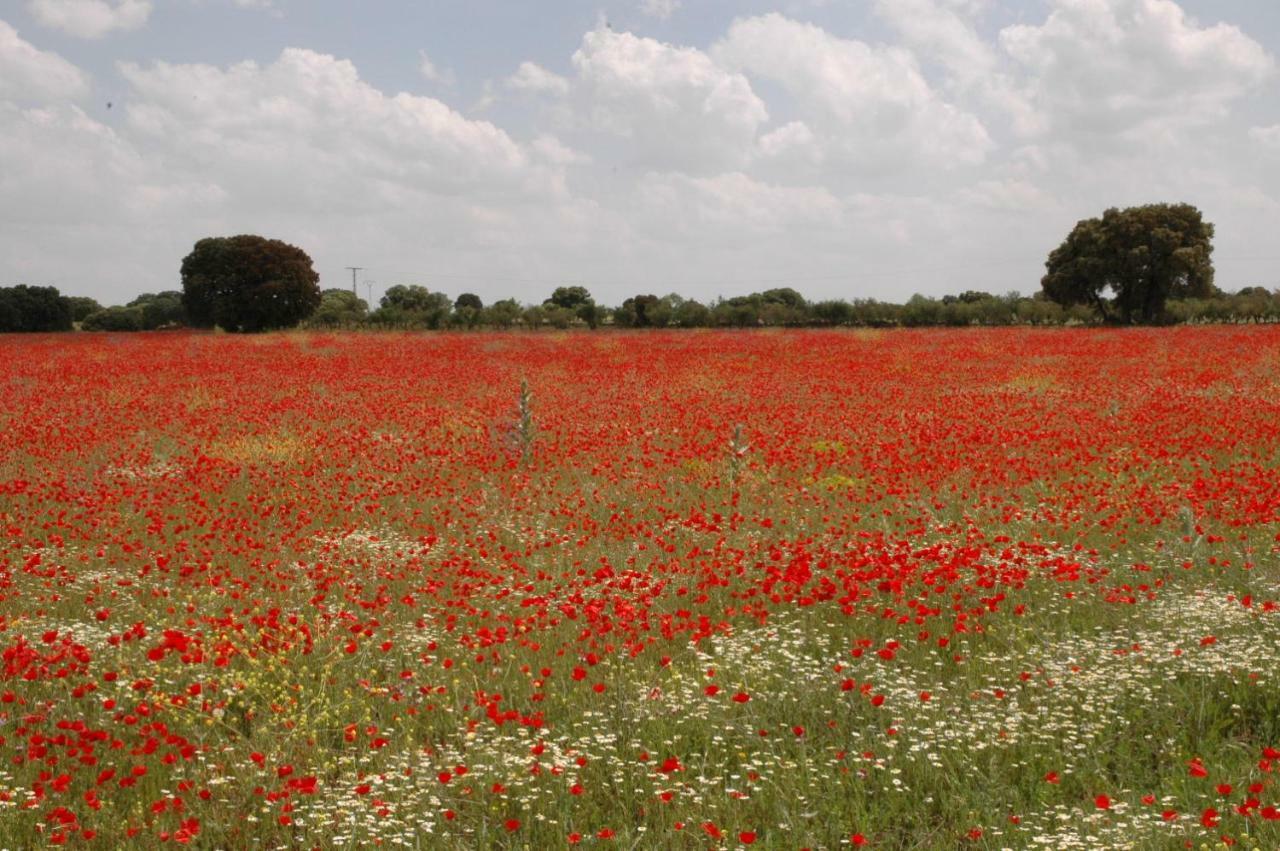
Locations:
248 283
1129 262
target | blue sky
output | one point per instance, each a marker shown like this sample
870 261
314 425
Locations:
860 149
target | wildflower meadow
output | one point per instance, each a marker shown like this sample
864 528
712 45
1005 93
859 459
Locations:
934 589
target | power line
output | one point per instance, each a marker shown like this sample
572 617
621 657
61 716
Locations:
354 291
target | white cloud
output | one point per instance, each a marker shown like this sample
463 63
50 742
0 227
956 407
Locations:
90 18
1016 195
790 141
28 74
532 77
869 105
1113 66
674 106
554 151
940 30
305 120
1268 136
660 9
735 204
301 149
432 73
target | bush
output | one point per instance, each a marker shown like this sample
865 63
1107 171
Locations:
115 319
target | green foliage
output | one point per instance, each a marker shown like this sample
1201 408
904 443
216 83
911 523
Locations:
590 313
413 305
560 318
785 296
641 311
501 314
115 319
1140 256
570 298
248 283
688 313
468 300
160 310
31 309
339 308
82 306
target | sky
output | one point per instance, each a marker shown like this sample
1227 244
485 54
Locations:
856 149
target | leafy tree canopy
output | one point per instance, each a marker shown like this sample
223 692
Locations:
339 307
27 308
570 298
248 283
413 304
1129 262
160 310
82 306
114 319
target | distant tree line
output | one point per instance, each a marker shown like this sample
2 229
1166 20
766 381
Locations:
1141 265
413 307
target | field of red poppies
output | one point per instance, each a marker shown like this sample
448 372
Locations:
936 589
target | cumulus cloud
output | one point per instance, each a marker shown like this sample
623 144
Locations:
28 74
943 31
674 106
532 77
1114 66
1267 136
307 119
90 18
736 204
868 105
660 9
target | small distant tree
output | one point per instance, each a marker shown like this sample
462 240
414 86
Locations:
639 312
413 304
1129 262
533 316
33 309
115 319
785 296
248 283
338 308
833 312
160 310
922 310
690 314
501 314
591 314
560 317
570 298
467 310
82 306
737 312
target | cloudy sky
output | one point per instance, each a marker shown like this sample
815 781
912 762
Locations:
848 148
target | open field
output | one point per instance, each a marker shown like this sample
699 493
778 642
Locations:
977 588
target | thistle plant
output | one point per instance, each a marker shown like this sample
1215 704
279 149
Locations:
524 422
738 448
1188 520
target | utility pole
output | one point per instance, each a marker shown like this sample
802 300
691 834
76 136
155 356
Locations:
368 284
354 291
